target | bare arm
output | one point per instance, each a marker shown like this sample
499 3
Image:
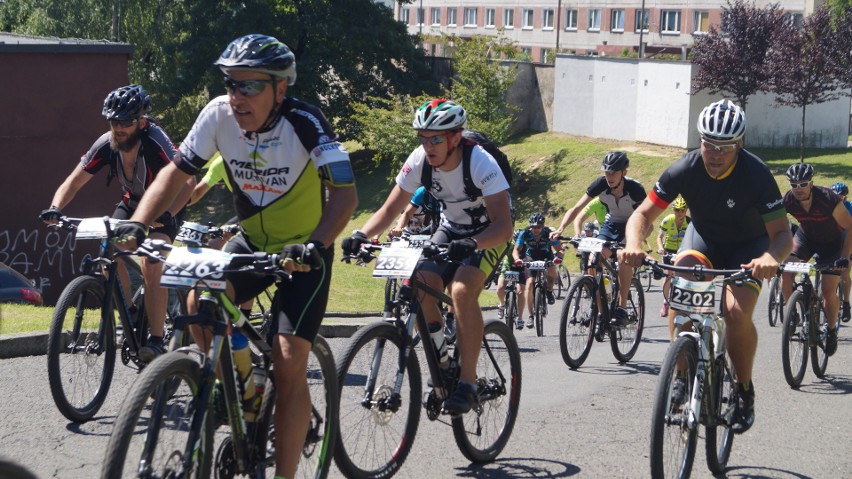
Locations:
403 220
780 244
578 222
660 246
637 230
342 201
163 192
69 188
841 215
500 229
570 214
382 218
198 192
183 198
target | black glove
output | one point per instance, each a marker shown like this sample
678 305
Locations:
461 249
841 263
352 244
131 229
308 253
51 214
166 219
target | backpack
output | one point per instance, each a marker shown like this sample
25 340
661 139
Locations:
471 138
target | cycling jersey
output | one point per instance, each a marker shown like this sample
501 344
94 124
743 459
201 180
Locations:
427 208
730 209
216 172
536 248
596 207
459 214
848 205
618 209
156 151
277 198
818 223
673 234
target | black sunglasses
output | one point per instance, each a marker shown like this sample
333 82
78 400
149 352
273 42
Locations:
246 87
125 123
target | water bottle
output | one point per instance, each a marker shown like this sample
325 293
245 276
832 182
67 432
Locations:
242 360
259 374
436 331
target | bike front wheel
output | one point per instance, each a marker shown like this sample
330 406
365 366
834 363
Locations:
719 437
794 340
673 438
563 281
482 433
511 311
625 340
776 302
819 359
540 308
577 322
377 425
152 439
80 350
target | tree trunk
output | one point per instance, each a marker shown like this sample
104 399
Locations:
802 136
116 19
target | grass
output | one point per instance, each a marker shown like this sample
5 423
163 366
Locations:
551 170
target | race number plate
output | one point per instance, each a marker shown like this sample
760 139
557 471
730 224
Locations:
536 265
192 232
396 262
591 245
187 267
93 228
512 276
797 267
693 296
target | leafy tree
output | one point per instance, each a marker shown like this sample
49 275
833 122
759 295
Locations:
385 127
733 58
808 64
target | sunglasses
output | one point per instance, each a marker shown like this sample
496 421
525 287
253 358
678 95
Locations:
247 88
433 140
800 185
126 123
719 148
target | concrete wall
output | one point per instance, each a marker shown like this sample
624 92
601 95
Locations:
532 93
625 99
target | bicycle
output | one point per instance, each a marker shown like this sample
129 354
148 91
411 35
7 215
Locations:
776 302
805 324
380 380
538 273
563 280
510 309
588 311
697 383
81 344
172 436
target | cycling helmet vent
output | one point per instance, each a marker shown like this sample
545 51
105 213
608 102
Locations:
259 53
679 203
800 172
615 161
722 121
537 219
127 102
440 115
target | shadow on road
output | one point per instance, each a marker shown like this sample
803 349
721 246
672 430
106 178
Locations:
755 472
519 468
638 367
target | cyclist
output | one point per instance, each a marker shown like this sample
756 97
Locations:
738 221
271 143
477 229
534 244
672 229
506 265
843 191
420 215
135 150
590 229
620 195
596 210
823 230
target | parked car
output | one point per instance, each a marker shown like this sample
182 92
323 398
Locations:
16 288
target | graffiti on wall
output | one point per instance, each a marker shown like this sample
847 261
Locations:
41 254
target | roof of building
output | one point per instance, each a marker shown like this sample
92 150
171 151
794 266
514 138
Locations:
18 43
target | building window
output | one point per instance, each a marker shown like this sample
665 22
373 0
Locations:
795 18
470 17
547 19
546 55
594 20
643 18
436 16
700 22
403 16
421 16
527 19
526 54
451 17
490 15
670 21
571 19
616 20
509 18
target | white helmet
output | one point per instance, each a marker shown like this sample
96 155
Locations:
722 121
439 115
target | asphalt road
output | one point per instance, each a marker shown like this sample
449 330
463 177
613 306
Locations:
593 422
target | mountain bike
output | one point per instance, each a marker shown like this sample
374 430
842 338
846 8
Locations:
510 310
805 324
380 380
776 301
172 435
697 384
82 339
588 310
538 273
563 280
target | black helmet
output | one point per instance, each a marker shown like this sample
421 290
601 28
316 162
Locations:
615 161
800 172
127 102
260 53
536 219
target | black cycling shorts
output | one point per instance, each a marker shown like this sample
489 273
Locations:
826 252
612 231
487 260
722 255
124 212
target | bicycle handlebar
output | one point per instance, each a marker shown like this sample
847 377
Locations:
699 271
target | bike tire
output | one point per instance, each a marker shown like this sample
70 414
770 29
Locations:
563 280
718 435
376 434
540 308
624 340
650 278
577 322
482 433
776 302
819 359
669 422
80 365
138 418
511 311
794 340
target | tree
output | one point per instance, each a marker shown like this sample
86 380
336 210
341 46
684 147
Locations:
732 58
808 64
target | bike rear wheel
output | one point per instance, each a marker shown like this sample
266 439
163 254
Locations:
80 350
540 307
673 439
482 433
719 438
819 360
174 380
377 427
776 302
577 322
794 340
625 340
511 311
